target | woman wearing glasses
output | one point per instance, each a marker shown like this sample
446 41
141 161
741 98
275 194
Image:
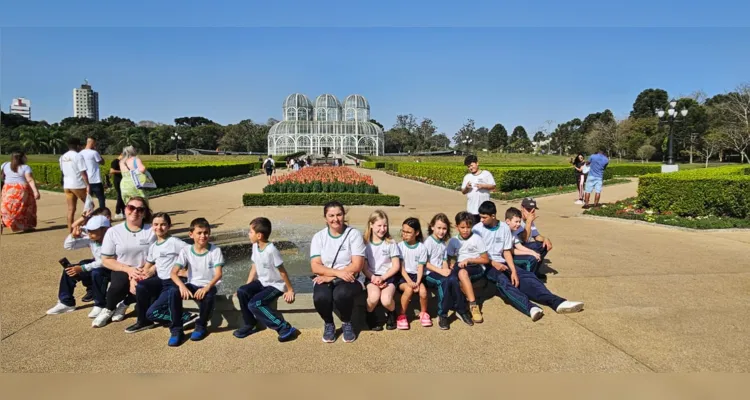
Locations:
124 251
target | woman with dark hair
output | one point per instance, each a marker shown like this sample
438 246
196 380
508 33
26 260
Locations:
337 255
124 252
579 164
19 195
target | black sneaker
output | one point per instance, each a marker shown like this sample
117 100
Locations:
88 297
244 332
372 322
289 336
140 326
390 322
329 333
443 322
464 316
348 332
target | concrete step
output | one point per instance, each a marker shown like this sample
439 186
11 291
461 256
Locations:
302 314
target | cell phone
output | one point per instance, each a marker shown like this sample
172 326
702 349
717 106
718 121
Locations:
65 263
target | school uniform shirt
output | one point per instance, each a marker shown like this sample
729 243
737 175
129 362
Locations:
477 196
325 246
413 256
472 247
128 247
18 176
496 240
72 166
534 233
164 255
436 252
380 256
92 159
267 263
74 243
200 266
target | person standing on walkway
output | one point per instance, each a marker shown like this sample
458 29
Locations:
19 195
337 255
93 160
578 163
130 161
124 251
477 186
270 166
598 163
114 171
75 178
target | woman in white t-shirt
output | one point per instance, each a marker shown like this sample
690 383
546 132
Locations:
337 255
19 195
124 252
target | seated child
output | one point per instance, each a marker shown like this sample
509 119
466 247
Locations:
413 260
203 261
272 282
87 231
516 284
382 270
467 255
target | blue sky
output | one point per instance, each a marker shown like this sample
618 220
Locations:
483 60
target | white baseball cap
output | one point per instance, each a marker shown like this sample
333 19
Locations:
96 222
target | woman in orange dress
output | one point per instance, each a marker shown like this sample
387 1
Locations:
19 195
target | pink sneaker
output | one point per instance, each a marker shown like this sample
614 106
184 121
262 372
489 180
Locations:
425 319
402 323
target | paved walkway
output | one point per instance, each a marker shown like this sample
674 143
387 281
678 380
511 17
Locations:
657 299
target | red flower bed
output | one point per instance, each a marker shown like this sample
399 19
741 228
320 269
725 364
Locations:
324 175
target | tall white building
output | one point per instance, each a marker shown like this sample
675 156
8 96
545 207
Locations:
22 107
86 102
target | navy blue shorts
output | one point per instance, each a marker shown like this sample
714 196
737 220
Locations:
413 278
475 271
389 280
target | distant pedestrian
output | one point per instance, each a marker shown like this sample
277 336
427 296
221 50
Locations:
75 178
597 163
93 160
269 165
477 186
578 166
19 195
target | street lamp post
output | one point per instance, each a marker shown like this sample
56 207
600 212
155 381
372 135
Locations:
176 137
670 117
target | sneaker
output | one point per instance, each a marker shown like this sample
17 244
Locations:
425 319
289 336
536 313
188 319
372 322
118 217
329 333
567 307
390 322
466 318
95 311
586 206
119 313
443 323
198 334
244 332
348 332
102 318
140 326
176 339
402 323
579 201
476 315
88 297
60 308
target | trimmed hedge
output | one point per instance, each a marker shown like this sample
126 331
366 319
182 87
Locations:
320 187
318 199
633 169
722 191
283 158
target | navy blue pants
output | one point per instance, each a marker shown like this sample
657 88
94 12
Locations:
529 263
100 278
254 303
475 271
205 307
68 285
159 310
529 287
146 292
448 289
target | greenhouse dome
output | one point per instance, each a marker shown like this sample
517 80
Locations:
354 133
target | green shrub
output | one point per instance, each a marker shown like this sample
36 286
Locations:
723 191
318 199
282 159
633 169
359 156
373 165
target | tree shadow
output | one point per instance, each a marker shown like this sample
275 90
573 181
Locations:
178 212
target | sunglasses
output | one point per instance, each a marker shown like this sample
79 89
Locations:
135 209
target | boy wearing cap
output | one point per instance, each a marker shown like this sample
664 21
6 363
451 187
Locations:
90 235
530 238
477 186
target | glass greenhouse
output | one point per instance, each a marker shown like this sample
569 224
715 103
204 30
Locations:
310 128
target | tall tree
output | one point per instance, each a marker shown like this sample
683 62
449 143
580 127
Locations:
193 122
538 139
497 138
519 140
377 123
648 101
466 137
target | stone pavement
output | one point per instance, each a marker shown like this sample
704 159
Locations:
657 299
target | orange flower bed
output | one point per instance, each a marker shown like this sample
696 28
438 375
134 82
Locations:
323 175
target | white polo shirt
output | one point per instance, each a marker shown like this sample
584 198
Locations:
534 232
413 256
200 266
496 240
380 256
128 247
92 159
267 263
472 247
72 166
477 196
436 252
164 255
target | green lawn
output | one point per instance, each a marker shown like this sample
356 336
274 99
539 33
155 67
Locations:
522 159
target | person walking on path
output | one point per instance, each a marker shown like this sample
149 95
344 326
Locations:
114 171
93 160
598 163
477 186
578 164
75 178
269 165
130 161
19 195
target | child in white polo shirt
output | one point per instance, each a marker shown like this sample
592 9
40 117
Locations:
467 256
272 282
204 261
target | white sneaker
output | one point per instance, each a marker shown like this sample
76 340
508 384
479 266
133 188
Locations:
536 313
102 318
579 201
119 217
119 313
95 311
60 308
567 307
